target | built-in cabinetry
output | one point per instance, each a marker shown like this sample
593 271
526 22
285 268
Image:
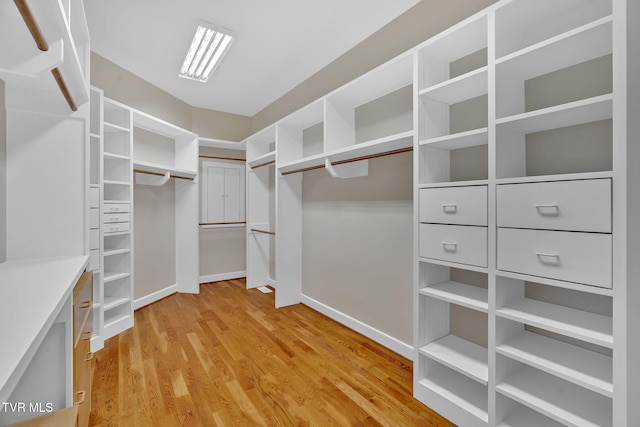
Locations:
222 193
521 266
118 160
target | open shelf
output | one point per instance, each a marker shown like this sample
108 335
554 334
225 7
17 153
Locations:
466 86
263 160
113 252
113 302
469 395
162 169
112 128
577 365
113 276
302 165
523 416
458 140
556 398
460 355
472 297
370 149
582 325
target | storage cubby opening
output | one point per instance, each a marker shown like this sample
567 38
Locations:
118 242
385 116
151 147
439 119
116 170
117 313
120 263
456 165
513 414
117 192
117 289
548 394
523 23
117 143
313 140
116 115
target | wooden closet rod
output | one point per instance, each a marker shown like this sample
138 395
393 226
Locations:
264 164
41 43
235 159
310 168
161 174
255 230
31 25
221 223
373 156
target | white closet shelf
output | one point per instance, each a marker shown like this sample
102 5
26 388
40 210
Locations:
572 113
563 177
454 141
454 184
581 44
115 156
113 252
556 398
94 136
23 64
460 355
373 148
222 143
264 160
113 182
453 264
466 86
111 276
557 283
582 325
467 296
577 365
112 127
116 323
307 163
526 417
155 168
113 302
458 389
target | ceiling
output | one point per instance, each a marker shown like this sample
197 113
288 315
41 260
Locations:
280 43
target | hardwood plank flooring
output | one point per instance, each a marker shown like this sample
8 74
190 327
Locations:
227 357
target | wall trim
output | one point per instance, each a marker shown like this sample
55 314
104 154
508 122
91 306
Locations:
380 337
271 282
223 276
156 296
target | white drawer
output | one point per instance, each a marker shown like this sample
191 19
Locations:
116 227
561 255
94 197
94 218
94 260
454 205
455 243
116 207
583 205
117 217
94 238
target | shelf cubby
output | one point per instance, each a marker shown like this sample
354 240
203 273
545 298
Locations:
117 191
514 414
560 400
460 355
473 297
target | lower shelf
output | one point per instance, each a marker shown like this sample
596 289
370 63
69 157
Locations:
558 399
460 355
113 302
469 395
525 417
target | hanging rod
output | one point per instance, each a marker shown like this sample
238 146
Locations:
41 43
255 230
263 164
373 156
24 10
235 159
310 168
161 174
221 223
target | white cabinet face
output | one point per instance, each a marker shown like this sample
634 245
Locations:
222 197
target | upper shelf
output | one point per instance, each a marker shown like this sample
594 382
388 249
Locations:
52 46
264 160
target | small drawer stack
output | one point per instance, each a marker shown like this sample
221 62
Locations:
82 331
453 224
558 230
94 229
116 218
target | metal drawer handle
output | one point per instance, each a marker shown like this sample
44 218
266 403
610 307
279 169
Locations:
549 209
548 254
81 394
450 207
449 246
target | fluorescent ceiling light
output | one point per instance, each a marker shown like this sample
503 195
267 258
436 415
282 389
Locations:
209 45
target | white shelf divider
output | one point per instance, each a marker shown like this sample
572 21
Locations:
468 296
460 355
577 365
564 402
466 86
454 141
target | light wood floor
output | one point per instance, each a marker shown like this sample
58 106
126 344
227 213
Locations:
227 357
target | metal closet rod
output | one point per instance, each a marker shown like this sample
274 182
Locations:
235 159
161 174
356 159
32 25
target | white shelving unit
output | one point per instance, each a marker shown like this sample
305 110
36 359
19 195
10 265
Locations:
526 100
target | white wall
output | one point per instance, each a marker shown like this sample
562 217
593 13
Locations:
3 176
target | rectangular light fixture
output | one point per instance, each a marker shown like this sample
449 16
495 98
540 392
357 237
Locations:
209 45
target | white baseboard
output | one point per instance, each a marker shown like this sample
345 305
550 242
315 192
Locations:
223 276
156 296
378 336
271 282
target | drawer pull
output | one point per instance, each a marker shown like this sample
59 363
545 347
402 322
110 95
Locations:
450 208
548 258
89 357
449 246
550 209
85 304
81 395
